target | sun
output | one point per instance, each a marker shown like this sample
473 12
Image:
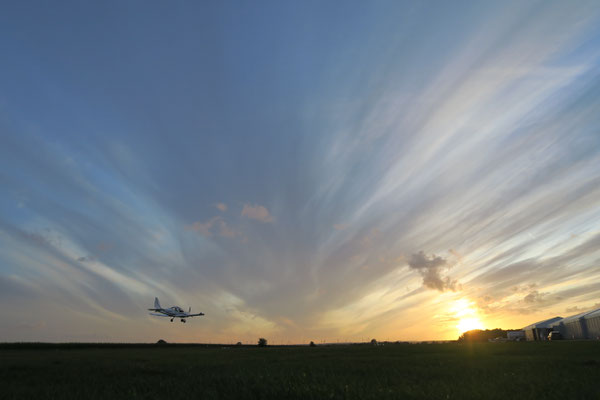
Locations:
466 314
467 324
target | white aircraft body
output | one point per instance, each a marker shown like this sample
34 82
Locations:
172 312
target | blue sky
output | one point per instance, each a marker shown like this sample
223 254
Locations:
297 170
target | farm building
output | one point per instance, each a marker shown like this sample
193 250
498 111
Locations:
593 324
541 329
581 326
515 335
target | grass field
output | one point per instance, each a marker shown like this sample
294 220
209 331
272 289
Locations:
556 370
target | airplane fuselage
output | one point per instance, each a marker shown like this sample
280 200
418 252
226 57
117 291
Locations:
173 312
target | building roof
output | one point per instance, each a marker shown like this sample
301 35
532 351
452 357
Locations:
593 314
582 315
547 323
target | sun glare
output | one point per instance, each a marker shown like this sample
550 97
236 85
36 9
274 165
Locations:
466 315
467 324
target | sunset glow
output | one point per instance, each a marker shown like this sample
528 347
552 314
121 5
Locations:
398 170
467 324
466 314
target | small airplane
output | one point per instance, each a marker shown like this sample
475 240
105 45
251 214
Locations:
173 312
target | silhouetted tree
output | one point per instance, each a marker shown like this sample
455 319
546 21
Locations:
312 344
262 342
478 335
374 342
238 344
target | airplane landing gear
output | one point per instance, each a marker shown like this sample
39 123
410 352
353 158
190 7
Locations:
171 319
183 320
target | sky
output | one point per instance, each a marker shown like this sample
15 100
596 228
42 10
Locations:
313 170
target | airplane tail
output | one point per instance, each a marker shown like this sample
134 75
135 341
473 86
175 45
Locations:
156 303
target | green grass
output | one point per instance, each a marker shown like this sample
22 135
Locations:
557 370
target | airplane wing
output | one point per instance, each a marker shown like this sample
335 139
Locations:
160 315
195 315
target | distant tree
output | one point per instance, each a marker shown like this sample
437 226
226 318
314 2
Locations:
262 342
374 342
479 335
312 344
161 342
238 344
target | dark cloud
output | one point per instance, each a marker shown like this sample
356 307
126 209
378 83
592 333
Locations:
431 268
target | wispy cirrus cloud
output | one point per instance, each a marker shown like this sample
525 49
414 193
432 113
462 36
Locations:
363 151
215 226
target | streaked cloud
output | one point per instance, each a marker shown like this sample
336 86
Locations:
216 226
438 156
